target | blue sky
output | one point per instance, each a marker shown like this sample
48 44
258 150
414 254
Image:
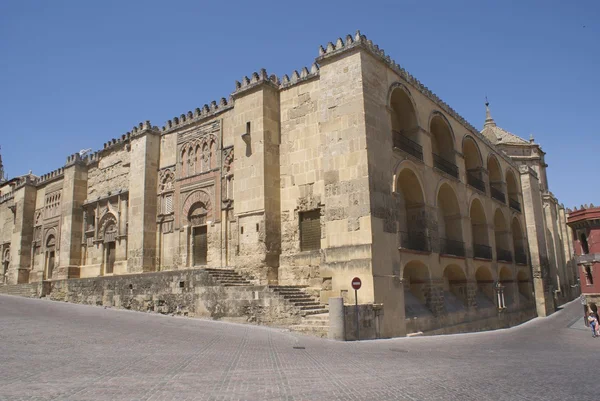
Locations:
74 74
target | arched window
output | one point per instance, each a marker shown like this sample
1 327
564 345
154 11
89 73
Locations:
183 163
496 180
449 222
411 208
589 278
442 146
479 231
405 128
584 244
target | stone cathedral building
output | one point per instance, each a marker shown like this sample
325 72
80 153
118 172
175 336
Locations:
291 187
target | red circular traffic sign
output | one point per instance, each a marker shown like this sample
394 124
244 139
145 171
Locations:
356 283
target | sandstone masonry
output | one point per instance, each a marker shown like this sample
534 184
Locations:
351 167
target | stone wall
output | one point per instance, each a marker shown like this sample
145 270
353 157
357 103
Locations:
185 292
470 321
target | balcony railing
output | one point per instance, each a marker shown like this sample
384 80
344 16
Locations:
520 256
444 165
503 254
452 247
514 204
482 251
415 241
475 182
407 145
497 194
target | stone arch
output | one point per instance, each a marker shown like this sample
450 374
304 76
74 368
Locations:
518 241
512 184
501 236
473 163
479 230
213 153
442 137
485 287
505 275
107 223
411 209
416 279
496 178
167 178
455 288
51 233
471 153
183 162
403 112
524 284
194 201
449 221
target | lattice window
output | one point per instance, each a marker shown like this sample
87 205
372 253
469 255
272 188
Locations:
168 204
310 230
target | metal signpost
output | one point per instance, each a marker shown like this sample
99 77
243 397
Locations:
356 283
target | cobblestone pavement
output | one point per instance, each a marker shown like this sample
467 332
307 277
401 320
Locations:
59 351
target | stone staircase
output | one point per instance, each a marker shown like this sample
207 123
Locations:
227 277
315 317
315 325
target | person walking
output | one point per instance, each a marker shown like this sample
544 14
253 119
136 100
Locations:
593 323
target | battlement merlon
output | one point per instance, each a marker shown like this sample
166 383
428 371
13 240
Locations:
199 114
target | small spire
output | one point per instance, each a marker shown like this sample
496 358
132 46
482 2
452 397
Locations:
2 178
531 138
489 121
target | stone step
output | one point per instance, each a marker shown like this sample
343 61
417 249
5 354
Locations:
287 287
314 312
235 285
286 292
313 331
230 279
310 307
307 303
323 317
314 323
298 296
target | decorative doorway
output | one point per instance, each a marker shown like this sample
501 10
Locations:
50 256
199 245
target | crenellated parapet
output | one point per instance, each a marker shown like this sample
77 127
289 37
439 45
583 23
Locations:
51 176
350 42
199 114
299 77
256 79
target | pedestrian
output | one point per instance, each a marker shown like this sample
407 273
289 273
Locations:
593 323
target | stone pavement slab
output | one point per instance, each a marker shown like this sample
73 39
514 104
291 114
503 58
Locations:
60 351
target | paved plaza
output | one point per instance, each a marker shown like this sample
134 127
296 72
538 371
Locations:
60 351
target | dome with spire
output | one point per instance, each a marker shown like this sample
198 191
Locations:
496 134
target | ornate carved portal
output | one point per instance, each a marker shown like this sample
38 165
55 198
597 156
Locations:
196 216
50 255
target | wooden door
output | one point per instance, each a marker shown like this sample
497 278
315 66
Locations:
200 245
50 263
110 257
